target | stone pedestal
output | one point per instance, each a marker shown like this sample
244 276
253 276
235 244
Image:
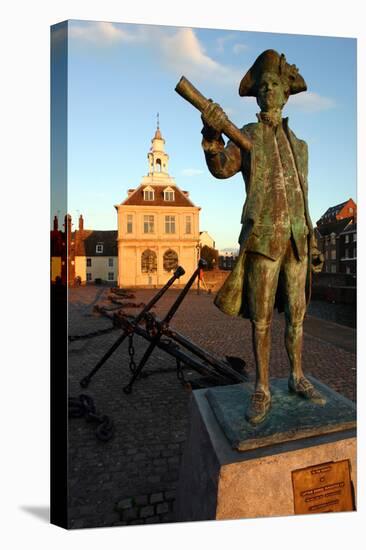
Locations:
232 470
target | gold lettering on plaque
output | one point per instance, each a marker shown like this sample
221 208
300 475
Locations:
323 488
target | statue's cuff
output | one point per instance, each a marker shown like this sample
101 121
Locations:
213 146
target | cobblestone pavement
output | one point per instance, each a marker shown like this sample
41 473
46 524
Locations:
132 478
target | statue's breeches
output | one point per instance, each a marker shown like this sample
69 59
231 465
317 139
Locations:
262 278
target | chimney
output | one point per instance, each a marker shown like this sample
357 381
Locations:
81 223
55 223
67 224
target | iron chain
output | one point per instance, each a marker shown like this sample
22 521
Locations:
84 406
131 353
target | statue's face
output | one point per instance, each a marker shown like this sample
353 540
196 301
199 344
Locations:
271 92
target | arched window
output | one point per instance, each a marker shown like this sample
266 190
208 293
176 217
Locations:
149 261
158 165
170 260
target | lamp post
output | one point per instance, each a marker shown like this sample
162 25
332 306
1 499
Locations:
198 248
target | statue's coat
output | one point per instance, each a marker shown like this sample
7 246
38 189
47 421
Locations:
255 168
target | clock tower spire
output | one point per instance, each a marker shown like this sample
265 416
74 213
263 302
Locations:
157 157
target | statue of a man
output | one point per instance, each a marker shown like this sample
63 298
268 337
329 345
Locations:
277 253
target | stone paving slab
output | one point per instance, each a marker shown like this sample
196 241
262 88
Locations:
142 461
333 333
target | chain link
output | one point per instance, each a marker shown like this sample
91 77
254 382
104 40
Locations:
84 406
131 353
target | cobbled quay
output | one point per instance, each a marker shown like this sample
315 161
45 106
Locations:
132 478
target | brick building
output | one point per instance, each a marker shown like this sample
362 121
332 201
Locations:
84 255
58 253
332 231
348 249
347 209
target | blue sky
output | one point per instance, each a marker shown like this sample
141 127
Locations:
121 75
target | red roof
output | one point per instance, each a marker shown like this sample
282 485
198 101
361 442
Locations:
137 198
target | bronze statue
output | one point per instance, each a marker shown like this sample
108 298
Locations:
277 247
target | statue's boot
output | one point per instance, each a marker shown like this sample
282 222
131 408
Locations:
260 401
297 382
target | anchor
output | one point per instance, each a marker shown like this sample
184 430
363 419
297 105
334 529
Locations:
159 334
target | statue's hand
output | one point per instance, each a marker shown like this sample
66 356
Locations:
317 260
214 118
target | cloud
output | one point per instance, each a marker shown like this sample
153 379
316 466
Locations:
103 33
189 172
183 52
179 50
311 102
221 41
238 48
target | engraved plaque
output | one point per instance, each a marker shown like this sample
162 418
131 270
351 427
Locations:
323 488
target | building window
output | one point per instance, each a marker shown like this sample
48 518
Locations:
354 237
129 223
332 239
110 276
110 262
168 195
188 224
169 224
88 276
148 194
99 248
149 261
333 268
170 260
350 210
88 262
148 224
333 255
346 253
348 269
346 239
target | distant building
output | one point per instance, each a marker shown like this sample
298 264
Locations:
348 249
83 256
58 254
158 226
331 233
347 209
206 240
227 258
95 254
328 243
227 261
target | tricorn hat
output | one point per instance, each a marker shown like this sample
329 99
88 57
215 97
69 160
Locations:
271 61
